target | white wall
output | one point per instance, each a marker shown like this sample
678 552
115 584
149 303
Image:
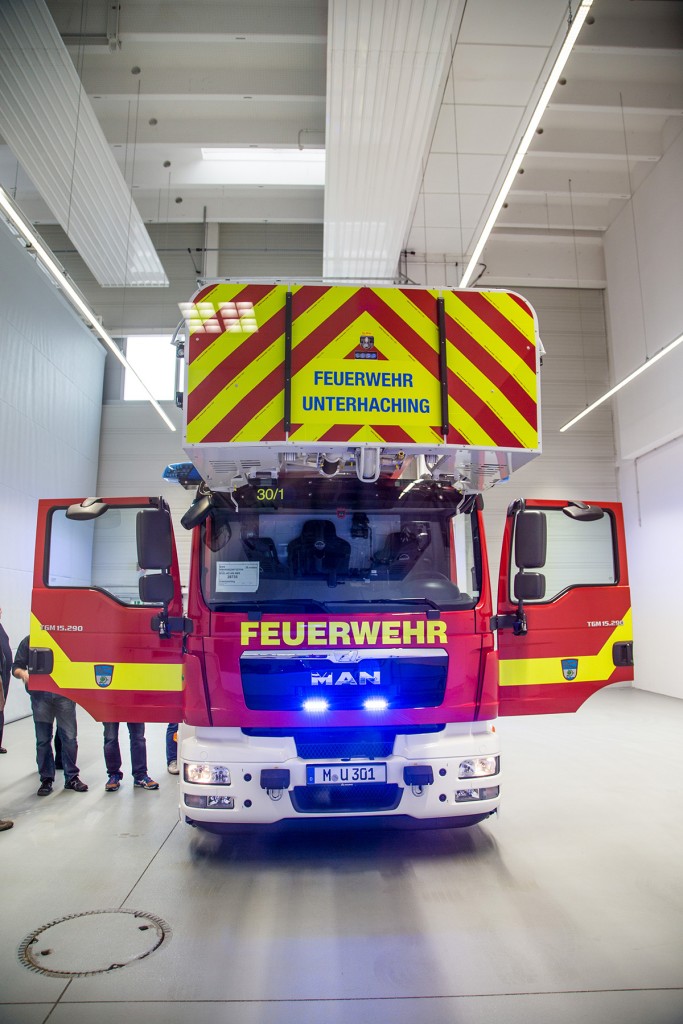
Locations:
51 371
644 261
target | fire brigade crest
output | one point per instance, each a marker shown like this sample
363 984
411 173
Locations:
104 675
570 668
365 348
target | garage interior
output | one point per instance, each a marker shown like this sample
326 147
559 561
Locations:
569 904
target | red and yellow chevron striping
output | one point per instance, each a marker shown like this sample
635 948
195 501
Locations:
364 366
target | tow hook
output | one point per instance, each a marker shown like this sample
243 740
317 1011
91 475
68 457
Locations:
275 781
417 776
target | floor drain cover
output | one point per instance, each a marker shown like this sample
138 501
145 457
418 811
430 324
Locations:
92 943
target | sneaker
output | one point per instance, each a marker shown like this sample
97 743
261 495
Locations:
3 750
45 787
4 825
146 783
172 768
76 784
112 784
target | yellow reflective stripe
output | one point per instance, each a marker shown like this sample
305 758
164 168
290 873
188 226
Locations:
466 425
491 342
516 314
227 342
320 311
548 671
491 396
235 390
80 675
409 313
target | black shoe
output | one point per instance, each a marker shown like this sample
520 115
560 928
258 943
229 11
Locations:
76 784
3 750
45 787
4 825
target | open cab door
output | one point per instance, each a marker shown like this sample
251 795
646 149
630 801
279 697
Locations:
564 606
106 613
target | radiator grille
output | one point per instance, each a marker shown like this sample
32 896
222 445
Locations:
345 799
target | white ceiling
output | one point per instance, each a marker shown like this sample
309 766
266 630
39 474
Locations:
419 103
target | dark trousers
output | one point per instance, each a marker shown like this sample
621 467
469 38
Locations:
5 690
171 743
138 749
48 708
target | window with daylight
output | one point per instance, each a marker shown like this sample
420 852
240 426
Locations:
153 359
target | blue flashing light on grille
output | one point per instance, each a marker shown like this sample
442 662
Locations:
376 704
315 705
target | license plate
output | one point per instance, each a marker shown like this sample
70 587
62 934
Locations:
344 774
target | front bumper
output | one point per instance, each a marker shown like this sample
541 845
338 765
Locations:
394 803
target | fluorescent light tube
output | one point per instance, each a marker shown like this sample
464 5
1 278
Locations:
558 68
627 380
59 277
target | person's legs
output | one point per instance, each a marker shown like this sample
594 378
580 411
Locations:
5 690
43 716
112 751
171 743
65 713
58 749
138 749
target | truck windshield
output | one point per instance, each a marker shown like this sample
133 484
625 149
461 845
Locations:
273 558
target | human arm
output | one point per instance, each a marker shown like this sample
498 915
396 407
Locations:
20 664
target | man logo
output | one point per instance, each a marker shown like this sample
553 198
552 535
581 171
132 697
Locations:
104 675
570 668
345 679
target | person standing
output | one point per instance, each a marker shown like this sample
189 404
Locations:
48 708
138 756
6 672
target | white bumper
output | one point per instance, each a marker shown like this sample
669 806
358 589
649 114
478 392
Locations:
244 802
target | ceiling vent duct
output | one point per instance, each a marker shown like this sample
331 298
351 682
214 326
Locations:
386 66
48 122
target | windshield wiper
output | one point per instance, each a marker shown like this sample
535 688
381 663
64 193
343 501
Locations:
280 605
393 600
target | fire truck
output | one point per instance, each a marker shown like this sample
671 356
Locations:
339 658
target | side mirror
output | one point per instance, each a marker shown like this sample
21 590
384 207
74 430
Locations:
197 512
154 539
89 508
156 589
585 513
529 586
531 538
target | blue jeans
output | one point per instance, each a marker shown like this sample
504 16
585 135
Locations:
138 749
46 708
171 744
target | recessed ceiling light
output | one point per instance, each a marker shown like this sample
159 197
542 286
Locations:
261 166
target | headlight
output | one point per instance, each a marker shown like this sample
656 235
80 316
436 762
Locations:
463 796
207 774
476 767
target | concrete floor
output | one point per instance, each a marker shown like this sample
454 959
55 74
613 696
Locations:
568 907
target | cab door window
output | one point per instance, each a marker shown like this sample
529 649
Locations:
99 553
578 554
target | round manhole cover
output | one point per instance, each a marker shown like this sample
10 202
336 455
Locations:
92 943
